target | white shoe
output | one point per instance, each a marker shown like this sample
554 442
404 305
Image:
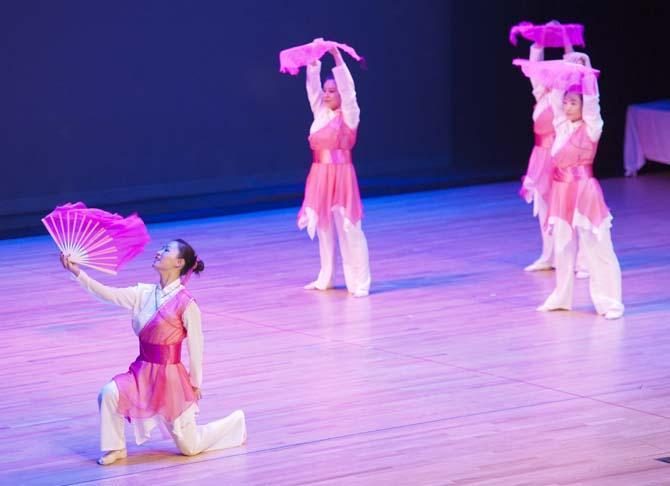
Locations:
613 314
112 456
361 293
314 286
538 266
582 274
548 308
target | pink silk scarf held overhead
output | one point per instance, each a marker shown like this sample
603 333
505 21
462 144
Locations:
291 60
552 34
559 74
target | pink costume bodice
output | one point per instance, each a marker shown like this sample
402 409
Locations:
576 196
333 143
574 160
165 329
543 128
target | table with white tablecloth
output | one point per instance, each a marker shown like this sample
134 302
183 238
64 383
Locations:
647 135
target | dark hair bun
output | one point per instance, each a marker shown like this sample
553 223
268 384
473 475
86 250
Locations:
191 261
199 267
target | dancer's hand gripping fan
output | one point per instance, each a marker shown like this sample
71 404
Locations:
95 238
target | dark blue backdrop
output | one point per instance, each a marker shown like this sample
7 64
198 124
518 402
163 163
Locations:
159 106
111 101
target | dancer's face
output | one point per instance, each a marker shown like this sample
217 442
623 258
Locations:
572 106
331 96
167 258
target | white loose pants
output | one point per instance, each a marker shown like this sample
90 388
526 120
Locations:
354 252
604 270
192 439
547 255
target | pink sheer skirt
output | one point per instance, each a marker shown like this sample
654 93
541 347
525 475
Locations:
330 187
149 389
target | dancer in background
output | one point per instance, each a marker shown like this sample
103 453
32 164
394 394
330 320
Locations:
157 390
577 206
536 183
332 204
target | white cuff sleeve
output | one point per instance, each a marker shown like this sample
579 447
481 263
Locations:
193 324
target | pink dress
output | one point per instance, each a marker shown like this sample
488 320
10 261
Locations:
331 183
576 196
157 383
537 181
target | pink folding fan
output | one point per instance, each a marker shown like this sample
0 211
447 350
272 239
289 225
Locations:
94 238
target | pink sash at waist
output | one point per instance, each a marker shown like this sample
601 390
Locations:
160 353
575 173
335 156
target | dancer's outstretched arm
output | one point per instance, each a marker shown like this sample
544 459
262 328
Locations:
591 107
537 55
123 297
313 85
347 89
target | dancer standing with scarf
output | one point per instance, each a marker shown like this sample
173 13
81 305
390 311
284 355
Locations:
332 204
536 183
577 206
157 390
536 186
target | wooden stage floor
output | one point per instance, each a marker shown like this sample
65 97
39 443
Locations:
445 375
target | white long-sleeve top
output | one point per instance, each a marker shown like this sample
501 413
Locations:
590 116
540 92
345 85
143 300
